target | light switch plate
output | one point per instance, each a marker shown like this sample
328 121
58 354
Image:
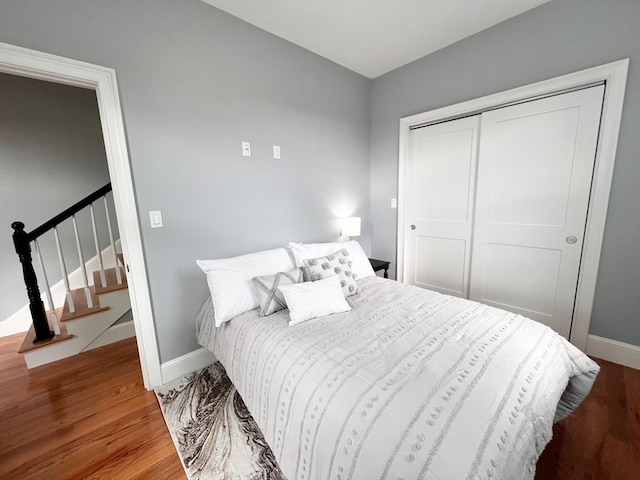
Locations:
276 151
155 217
246 149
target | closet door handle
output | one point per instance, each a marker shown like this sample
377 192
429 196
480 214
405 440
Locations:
413 227
571 240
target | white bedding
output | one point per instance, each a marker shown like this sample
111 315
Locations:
410 384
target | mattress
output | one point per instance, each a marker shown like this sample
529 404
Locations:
410 384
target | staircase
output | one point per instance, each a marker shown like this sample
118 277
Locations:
86 318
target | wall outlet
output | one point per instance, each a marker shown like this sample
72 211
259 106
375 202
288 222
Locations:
246 149
394 203
276 151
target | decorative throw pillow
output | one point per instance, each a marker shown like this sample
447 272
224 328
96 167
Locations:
270 298
338 263
314 299
361 266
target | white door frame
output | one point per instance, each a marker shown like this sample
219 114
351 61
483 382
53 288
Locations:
615 76
43 66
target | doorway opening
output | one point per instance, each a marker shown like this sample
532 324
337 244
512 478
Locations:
33 64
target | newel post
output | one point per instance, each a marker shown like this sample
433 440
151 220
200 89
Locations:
23 249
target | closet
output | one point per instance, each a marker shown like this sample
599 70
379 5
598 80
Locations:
496 204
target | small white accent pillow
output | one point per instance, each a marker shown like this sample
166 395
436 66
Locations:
314 299
361 266
229 280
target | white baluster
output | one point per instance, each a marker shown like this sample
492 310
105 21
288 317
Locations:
52 308
63 269
103 277
113 245
83 266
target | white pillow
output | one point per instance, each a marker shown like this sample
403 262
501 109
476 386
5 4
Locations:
314 299
361 266
229 280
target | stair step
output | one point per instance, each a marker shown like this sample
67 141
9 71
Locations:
80 303
84 331
28 345
112 281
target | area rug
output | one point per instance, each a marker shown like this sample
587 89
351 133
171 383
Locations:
212 429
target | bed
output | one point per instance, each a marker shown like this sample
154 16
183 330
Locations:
405 384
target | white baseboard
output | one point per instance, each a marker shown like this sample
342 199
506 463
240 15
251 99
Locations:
188 363
21 320
113 334
614 351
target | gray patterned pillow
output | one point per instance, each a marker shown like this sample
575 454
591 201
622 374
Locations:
270 298
337 263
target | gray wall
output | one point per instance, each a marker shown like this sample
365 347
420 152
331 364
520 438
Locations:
194 83
51 156
554 39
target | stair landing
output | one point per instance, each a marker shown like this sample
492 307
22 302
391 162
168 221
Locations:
28 345
79 333
82 330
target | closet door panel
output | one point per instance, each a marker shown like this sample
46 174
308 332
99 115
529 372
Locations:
530 177
442 169
534 179
504 284
440 264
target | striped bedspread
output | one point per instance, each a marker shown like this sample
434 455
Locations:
410 384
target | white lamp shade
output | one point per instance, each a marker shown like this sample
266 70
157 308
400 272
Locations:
351 226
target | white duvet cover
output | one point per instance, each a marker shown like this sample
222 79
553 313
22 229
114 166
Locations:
410 384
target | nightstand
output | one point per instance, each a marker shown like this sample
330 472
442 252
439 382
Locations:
380 265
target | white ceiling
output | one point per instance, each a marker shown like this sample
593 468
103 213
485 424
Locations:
373 37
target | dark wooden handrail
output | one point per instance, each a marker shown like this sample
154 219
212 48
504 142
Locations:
72 210
22 242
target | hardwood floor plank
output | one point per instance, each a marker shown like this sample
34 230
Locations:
632 383
146 458
87 416
600 440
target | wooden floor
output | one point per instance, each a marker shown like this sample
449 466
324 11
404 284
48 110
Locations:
89 416
600 440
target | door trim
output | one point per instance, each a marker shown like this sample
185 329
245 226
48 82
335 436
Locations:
615 77
52 68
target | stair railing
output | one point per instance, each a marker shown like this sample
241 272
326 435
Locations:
22 242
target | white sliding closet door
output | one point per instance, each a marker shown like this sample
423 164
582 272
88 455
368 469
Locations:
497 204
533 185
442 167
